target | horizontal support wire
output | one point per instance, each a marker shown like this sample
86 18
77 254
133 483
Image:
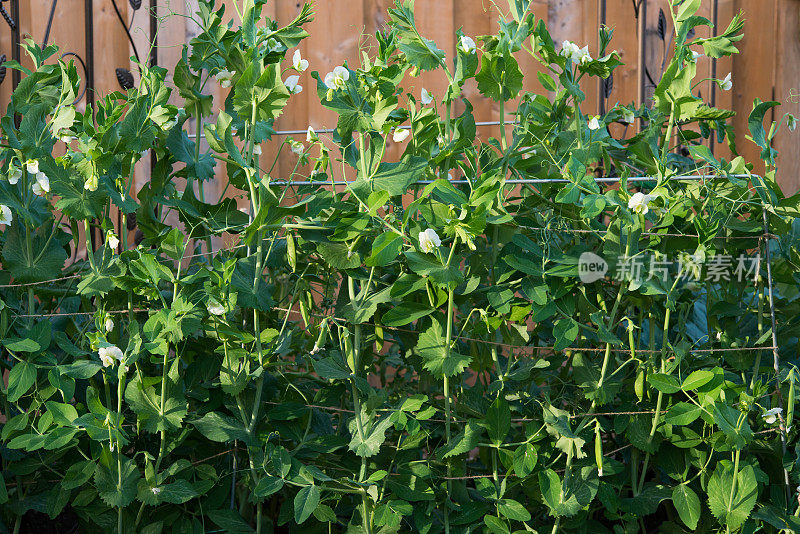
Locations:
332 130
533 181
534 348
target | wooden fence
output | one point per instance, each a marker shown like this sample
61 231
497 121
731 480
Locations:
767 68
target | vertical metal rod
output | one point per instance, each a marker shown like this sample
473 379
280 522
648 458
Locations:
642 26
49 23
601 93
714 20
153 33
775 356
16 50
88 26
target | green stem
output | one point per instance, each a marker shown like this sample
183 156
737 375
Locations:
659 400
119 453
760 319
447 409
733 481
567 475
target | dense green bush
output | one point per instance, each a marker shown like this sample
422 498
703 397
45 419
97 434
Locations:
401 352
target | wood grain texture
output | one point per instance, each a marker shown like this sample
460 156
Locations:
787 91
341 28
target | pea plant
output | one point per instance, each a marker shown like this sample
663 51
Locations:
589 324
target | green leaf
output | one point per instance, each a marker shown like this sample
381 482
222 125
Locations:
305 502
230 520
114 495
267 486
332 369
495 525
15 344
394 178
178 492
78 474
513 510
221 428
498 421
385 249
260 92
580 490
43 260
441 362
374 434
697 379
732 512
525 458
338 256
664 383
82 369
20 380
405 313
499 78
63 414
465 441
687 9
147 405
687 504
429 265
683 414
733 423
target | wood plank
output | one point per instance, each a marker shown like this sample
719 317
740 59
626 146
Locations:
787 85
752 71
621 18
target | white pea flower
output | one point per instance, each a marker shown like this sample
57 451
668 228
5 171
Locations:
427 98
577 54
594 123
293 86
14 174
112 239
42 184
696 55
111 447
429 240
32 165
627 116
155 491
467 44
298 148
583 56
5 215
337 79
215 308
770 416
111 352
400 134
298 63
109 325
569 49
311 135
256 150
638 203
91 183
225 77
107 359
67 138
726 83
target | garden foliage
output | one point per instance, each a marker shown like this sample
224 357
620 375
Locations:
398 352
